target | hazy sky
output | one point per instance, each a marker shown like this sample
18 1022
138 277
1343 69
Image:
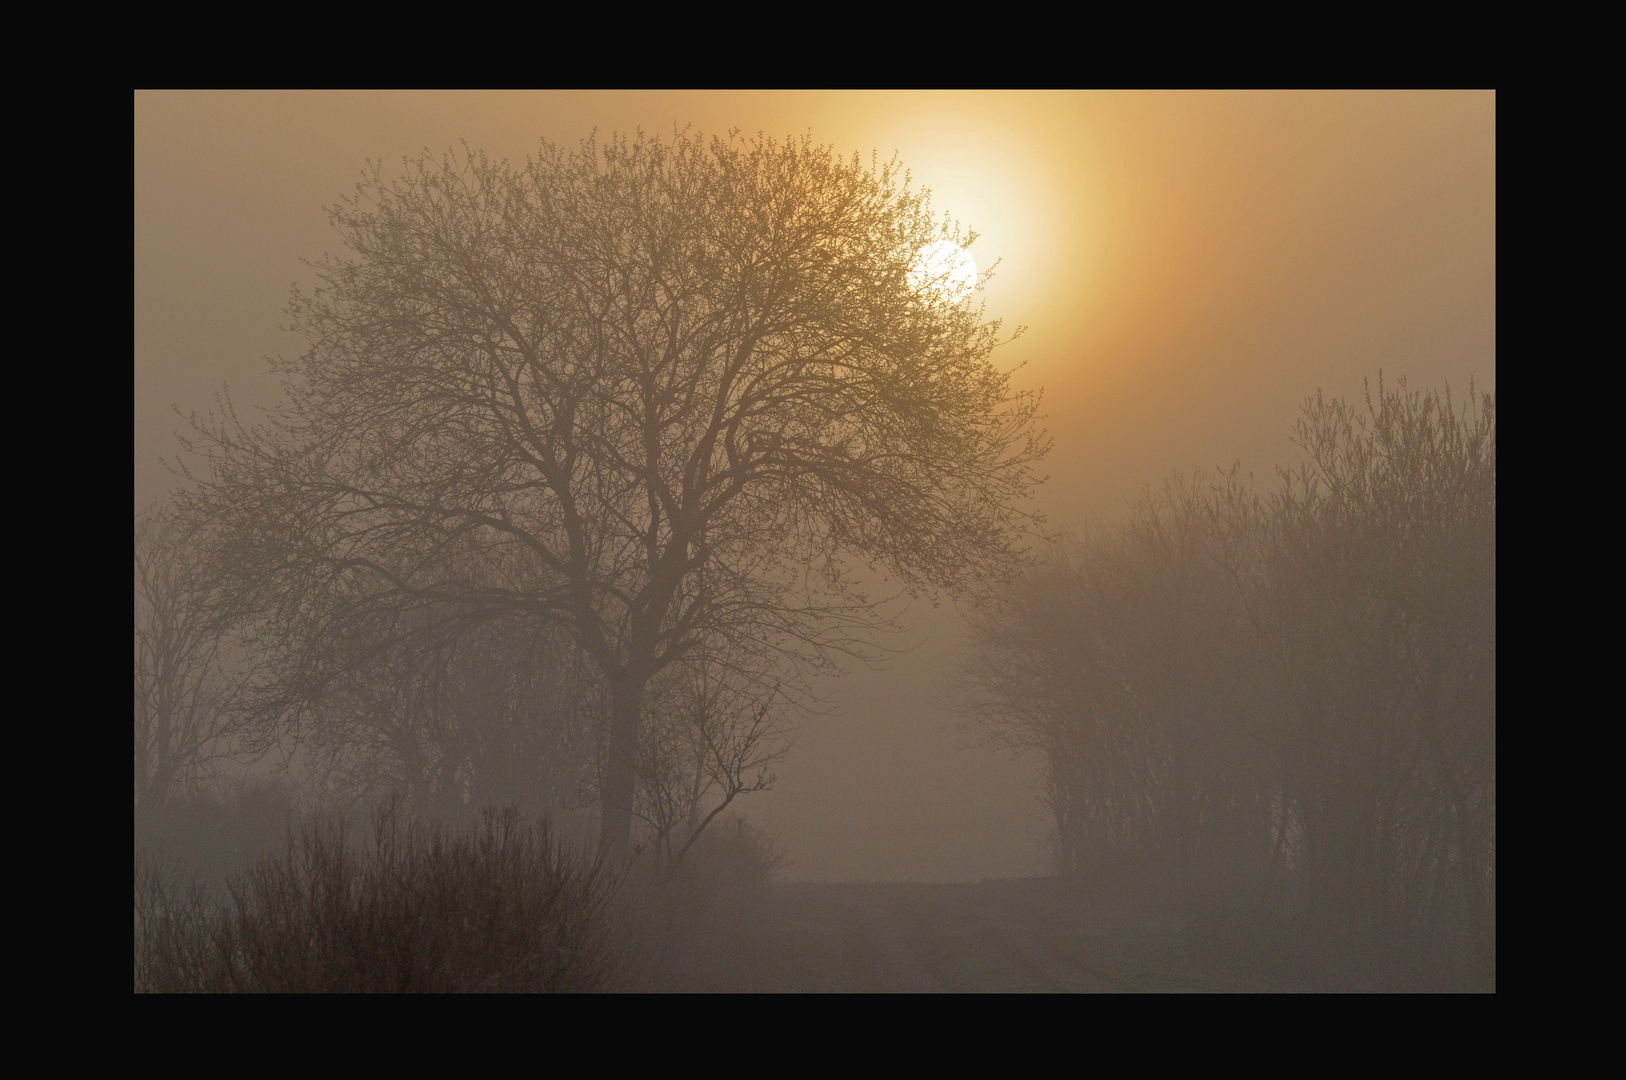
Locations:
1190 266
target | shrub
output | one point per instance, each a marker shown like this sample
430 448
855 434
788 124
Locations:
500 907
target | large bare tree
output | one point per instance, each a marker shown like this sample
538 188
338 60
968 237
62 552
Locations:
662 392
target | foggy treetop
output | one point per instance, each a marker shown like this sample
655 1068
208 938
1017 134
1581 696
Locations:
648 390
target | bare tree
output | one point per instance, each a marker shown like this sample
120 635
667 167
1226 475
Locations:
448 716
1380 600
183 696
1117 658
1289 699
713 733
658 388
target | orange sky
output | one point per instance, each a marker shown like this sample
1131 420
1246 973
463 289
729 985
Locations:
1190 267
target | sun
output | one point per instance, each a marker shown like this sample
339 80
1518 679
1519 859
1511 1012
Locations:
945 269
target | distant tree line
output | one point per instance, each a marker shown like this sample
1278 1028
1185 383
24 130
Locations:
429 709
1282 702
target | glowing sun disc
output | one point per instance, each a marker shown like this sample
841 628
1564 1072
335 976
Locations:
944 268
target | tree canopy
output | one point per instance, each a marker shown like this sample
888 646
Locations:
650 390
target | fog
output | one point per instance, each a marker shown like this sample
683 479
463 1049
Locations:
1188 270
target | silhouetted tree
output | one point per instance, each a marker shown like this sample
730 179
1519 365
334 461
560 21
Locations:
713 731
1378 596
650 390
1288 699
183 696
446 714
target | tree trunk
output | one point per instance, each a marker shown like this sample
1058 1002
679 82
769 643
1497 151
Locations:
621 770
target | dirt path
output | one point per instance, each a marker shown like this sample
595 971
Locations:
990 937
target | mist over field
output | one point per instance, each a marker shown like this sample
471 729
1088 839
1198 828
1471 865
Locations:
790 542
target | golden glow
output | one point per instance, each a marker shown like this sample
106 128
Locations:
1188 267
946 269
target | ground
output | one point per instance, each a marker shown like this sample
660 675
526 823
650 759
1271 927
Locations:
1025 935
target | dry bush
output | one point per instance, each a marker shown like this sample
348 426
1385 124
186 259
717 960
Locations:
498 908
